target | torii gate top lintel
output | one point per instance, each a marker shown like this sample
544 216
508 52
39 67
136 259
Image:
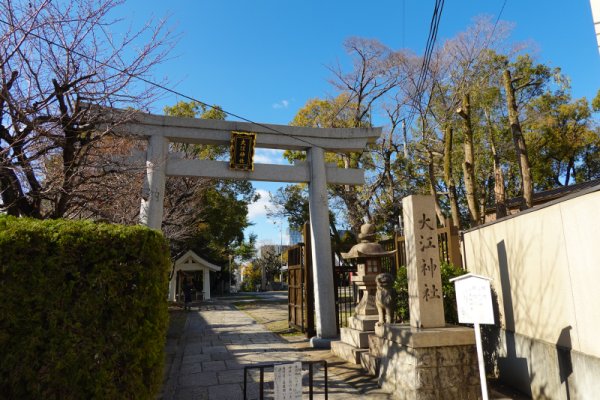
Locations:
206 131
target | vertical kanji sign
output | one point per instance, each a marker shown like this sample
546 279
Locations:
423 262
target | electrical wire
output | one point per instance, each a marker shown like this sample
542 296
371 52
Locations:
434 25
429 47
157 85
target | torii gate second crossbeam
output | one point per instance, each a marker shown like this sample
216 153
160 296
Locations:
161 130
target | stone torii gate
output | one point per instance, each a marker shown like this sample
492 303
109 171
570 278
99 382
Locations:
162 130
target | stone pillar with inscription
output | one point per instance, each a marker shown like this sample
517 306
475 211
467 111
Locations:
425 359
425 299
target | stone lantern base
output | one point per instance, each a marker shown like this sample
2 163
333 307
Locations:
354 340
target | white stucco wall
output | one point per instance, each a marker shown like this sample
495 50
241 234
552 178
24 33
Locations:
545 267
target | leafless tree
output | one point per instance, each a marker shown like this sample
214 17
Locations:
58 61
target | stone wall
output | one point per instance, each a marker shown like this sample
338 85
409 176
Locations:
423 364
448 372
544 370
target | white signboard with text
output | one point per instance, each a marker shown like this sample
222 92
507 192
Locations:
288 381
474 304
474 299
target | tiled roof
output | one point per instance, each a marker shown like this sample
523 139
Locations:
552 194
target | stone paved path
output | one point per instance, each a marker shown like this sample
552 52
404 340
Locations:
219 340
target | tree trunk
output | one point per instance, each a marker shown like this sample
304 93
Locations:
518 140
449 179
433 190
499 191
570 167
469 164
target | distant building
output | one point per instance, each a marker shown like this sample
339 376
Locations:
596 18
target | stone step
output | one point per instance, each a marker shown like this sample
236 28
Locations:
370 363
347 352
355 337
363 322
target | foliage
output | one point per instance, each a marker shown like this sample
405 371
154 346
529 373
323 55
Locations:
401 288
561 138
448 271
271 261
221 220
457 136
84 311
252 277
291 202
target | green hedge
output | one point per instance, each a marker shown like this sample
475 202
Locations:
83 310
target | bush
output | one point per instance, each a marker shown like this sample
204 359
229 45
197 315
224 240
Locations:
448 272
83 310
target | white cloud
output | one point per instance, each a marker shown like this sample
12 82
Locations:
281 104
260 207
269 156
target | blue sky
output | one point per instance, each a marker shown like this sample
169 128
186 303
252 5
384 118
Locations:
264 59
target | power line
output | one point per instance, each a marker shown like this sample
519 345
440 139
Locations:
434 25
429 47
104 64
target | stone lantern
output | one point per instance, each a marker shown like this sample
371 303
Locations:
368 254
353 345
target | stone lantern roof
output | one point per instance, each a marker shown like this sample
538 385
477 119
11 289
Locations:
368 247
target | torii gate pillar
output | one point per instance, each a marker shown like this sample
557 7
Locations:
321 247
153 192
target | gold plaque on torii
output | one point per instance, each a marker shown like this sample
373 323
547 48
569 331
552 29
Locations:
241 151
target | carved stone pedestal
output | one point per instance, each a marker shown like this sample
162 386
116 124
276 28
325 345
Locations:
435 363
371 360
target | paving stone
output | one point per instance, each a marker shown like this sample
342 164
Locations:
199 379
189 369
196 358
231 376
196 393
194 348
235 364
214 366
220 356
230 391
213 349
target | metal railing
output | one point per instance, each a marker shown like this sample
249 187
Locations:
262 384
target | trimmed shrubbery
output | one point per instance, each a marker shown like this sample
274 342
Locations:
83 310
